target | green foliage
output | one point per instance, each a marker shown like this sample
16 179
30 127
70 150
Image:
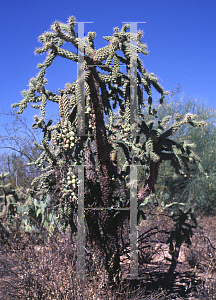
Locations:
20 212
40 217
190 187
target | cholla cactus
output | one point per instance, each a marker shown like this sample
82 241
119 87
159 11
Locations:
9 203
62 146
6 197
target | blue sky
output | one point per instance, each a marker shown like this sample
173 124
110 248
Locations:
181 39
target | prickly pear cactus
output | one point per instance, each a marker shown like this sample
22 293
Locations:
19 212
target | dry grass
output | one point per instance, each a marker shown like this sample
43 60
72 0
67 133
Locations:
30 269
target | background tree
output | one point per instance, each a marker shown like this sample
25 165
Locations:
146 142
18 149
193 189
